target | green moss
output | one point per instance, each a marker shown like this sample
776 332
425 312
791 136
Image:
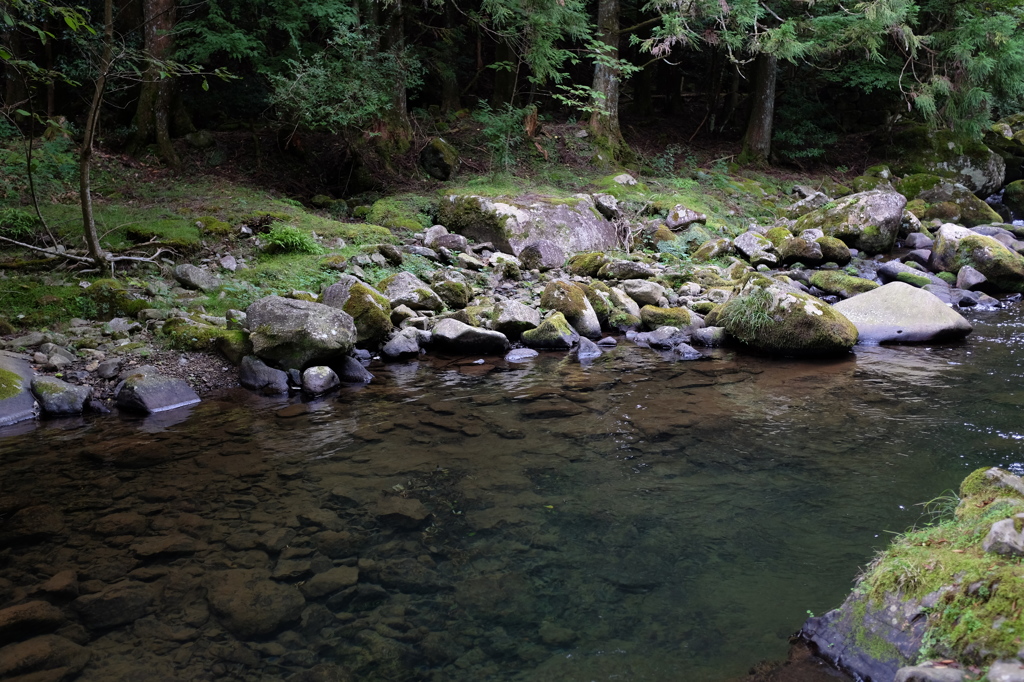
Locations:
599 295
112 299
913 279
947 277
10 384
912 185
402 212
455 295
702 307
654 317
185 334
777 235
179 234
213 226
587 264
841 284
566 298
464 215
371 313
356 234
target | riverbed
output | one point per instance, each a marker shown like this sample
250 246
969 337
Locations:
635 518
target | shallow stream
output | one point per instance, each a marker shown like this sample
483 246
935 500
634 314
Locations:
635 519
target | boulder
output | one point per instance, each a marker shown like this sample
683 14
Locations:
625 269
587 264
800 250
834 250
1004 538
756 248
319 380
812 201
371 314
43 653
572 302
351 371
336 295
945 198
255 375
452 242
59 398
405 288
643 292
16 401
554 333
456 295
942 153
330 581
654 317
929 672
867 221
512 318
296 333
586 350
194 277
770 317
574 224
150 392
406 343
250 605
957 246
542 254
457 337
431 235
901 313
439 159
713 248
681 217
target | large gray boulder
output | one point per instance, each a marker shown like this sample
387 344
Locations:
255 375
957 246
756 249
542 254
901 313
868 221
458 337
150 392
16 401
405 288
512 318
194 277
1004 538
940 152
59 398
295 333
511 223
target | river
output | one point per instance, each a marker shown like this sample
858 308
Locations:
632 519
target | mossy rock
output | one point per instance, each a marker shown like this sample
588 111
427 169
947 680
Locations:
623 321
599 294
371 313
553 333
1013 197
712 249
179 234
917 207
864 183
455 295
662 234
587 264
918 149
186 334
913 185
947 277
466 215
834 250
653 317
777 235
841 284
914 279
703 307
396 214
10 384
334 262
1003 268
112 299
214 226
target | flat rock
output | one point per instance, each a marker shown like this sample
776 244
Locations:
330 581
154 393
28 619
249 604
46 652
402 512
520 355
117 605
59 398
194 277
901 313
30 524
16 401
454 336
165 545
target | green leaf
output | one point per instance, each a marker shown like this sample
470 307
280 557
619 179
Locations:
206 85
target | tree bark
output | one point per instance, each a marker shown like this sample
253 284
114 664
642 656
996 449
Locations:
92 240
153 115
757 142
604 123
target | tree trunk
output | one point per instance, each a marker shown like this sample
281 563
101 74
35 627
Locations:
504 78
757 142
89 135
604 121
153 115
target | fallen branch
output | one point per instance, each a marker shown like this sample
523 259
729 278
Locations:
107 256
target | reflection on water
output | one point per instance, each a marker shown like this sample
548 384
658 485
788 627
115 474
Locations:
635 519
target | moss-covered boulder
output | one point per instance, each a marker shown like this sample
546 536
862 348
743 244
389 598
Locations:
571 301
1013 197
841 284
943 153
662 234
513 318
712 249
771 317
937 592
554 333
371 314
439 159
653 317
587 264
834 250
296 334
756 248
936 197
800 250
868 221
957 246
453 336
456 295
112 299
778 235
405 288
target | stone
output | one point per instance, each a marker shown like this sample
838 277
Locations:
295 333
512 318
194 277
801 250
1006 671
840 284
709 337
756 249
118 604
250 605
811 201
228 262
59 398
713 248
149 393
970 279
572 302
319 380
405 288
439 159
654 317
575 225
956 247
1004 538
17 403
929 672
521 355
432 234
937 197
402 512
642 292
917 240
46 652
624 179
371 313
165 545
625 269
457 337
681 217
608 205
120 523
403 344
901 313
867 221
255 375
452 242
28 620
351 371
941 152
555 332
586 350
330 581
542 254
62 584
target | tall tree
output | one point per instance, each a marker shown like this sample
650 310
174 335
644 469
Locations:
153 113
604 120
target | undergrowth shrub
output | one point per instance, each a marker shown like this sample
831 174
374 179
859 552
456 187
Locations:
288 239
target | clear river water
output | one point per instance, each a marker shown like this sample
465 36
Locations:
633 519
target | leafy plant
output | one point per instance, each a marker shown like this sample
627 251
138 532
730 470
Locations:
288 239
503 130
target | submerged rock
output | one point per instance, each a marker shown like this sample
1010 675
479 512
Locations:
901 313
154 393
251 605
